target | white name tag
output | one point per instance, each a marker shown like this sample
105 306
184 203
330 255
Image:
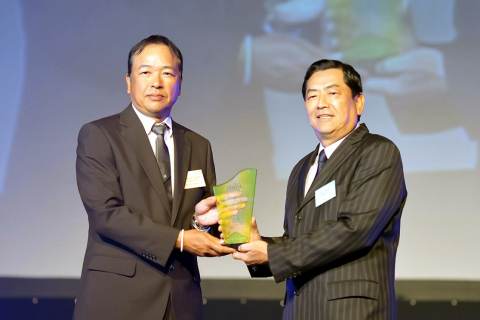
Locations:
325 193
195 179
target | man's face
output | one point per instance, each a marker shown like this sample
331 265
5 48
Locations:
155 82
332 112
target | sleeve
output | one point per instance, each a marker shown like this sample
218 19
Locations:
377 193
263 270
99 186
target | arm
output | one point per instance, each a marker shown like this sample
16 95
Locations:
263 270
199 242
99 186
376 195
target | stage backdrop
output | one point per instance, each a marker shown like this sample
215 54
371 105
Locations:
63 64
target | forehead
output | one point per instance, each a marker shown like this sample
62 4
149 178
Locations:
156 54
325 78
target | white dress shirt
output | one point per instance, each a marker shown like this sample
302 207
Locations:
148 124
328 152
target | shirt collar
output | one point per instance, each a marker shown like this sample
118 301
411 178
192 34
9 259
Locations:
148 122
331 148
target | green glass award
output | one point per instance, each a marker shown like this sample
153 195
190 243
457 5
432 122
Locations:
235 206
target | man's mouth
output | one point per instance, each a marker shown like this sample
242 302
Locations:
324 116
156 96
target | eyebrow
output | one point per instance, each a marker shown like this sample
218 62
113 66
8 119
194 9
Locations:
327 87
149 66
332 86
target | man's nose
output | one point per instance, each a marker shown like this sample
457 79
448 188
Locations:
157 81
322 102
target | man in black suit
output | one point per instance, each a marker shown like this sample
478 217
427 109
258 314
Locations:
140 176
342 211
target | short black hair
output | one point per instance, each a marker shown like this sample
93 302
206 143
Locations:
350 76
155 39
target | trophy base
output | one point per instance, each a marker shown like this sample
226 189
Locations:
233 245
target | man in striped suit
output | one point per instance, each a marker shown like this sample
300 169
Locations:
342 212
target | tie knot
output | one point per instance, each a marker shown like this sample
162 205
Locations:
159 128
322 158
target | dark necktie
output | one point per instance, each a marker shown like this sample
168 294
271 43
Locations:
163 157
322 158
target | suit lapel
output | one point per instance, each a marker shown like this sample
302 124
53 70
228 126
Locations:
346 148
302 177
296 187
182 159
134 133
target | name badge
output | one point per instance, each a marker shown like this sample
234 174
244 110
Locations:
195 179
325 193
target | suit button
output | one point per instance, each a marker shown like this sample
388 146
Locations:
285 237
254 268
172 267
296 292
298 216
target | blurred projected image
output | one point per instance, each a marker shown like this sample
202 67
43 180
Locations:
393 46
12 64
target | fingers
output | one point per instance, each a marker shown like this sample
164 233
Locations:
210 201
245 247
254 233
220 230
245 257
222 250
204 245
205 205
239 256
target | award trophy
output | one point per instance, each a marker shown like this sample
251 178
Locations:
235 207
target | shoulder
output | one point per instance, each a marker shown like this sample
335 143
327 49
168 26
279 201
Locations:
104 124
379 147
100 131
374 141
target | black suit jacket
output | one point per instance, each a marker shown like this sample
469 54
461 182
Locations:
339 258
130 267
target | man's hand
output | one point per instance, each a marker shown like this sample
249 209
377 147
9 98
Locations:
252 253
279 60
206 211
202 244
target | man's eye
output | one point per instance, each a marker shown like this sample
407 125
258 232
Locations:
144 72
311 97
168 74
333 93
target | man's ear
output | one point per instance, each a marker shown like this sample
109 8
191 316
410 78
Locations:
359 102
127 79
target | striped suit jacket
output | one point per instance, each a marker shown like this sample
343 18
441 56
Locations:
339 258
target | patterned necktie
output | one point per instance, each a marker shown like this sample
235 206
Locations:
322 158
163 157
